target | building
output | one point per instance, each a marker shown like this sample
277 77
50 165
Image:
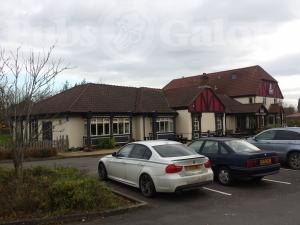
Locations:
233 101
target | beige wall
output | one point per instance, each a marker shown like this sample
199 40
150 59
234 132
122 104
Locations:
244 100
208 122
61 127
148 126
260 99
184 124
137 128
230 123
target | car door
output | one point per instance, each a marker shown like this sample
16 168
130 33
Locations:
265 140
137 159
211 149
285 140
117 164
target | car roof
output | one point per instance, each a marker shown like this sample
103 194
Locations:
296 129
156 142
217 139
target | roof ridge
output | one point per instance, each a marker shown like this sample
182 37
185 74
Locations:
81 93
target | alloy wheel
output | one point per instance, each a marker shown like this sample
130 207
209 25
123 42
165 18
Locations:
294 160
224 176
147 186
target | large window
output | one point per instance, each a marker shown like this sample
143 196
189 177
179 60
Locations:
196 123
100 127
121 126
164 125
219 122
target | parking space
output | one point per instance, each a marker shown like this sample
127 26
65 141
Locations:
274 200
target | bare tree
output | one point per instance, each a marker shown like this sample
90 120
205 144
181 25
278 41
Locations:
28 78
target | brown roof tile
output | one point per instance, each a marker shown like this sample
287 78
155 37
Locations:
275 108
104 98
236 82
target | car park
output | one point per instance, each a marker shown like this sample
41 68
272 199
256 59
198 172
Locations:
236 159
284 141
157 166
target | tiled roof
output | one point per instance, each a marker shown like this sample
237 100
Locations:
275 108
237 82
104 98
183 96
247 108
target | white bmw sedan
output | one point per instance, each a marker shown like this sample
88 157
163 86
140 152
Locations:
157 166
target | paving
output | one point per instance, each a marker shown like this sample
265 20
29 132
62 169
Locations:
273 201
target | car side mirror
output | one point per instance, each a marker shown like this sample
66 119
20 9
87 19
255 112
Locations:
114 154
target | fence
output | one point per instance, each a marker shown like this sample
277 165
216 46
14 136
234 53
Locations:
59 145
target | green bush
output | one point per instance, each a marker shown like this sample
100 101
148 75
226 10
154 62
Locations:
47 192
107 143
29 153
293 122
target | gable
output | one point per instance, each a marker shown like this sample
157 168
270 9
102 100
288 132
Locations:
270 89
206 101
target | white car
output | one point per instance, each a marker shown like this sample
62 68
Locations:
157 166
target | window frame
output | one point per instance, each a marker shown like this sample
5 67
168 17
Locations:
166 122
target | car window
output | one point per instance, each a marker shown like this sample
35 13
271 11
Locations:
140 152
196 145
287 135
210 147
125 151
223 150
174 150
268 135
240 146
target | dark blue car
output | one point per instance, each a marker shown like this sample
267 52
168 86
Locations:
236 159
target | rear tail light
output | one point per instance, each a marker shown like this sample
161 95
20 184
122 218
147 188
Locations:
275 159
173 168
207 164
250 163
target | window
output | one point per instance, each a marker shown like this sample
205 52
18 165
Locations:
275 100
271 119
173 150
210 147
99 126
164 125
264 100
140 152
240 146
125 151
250 100
287 135
47 131
223 150
196 145
196 123
219 122
121 126
268 135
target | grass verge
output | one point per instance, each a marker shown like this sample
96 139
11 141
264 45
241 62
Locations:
53 192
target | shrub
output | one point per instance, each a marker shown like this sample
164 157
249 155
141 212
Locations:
107 143
47 192
29 153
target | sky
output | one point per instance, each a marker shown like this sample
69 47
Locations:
148 43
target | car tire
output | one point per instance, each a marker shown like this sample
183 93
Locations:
147 186
102 172
224 176
294 160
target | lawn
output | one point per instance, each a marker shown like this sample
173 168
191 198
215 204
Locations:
53 192
4 138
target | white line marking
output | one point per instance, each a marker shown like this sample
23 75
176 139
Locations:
220 192
276 181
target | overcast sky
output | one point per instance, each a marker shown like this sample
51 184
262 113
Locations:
149 43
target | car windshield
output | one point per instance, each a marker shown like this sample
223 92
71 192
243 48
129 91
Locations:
240 146
174 150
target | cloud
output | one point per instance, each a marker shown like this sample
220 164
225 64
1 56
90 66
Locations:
143 43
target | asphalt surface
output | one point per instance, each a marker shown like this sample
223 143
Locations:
274 201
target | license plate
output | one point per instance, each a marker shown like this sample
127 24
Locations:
265 161
193 167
